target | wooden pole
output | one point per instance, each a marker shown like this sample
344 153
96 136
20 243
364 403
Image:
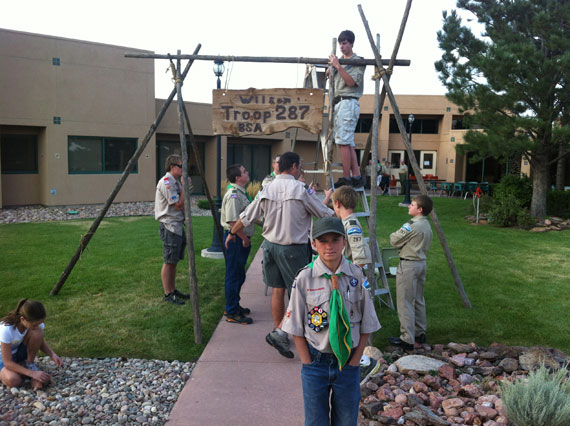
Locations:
415 166
328 143
373 175
130 165
193 281
389 72
273 59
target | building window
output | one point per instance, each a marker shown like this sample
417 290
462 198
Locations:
457 122
19 153
364 124
421 125
91 154
169 144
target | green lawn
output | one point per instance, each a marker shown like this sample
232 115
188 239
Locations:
112 303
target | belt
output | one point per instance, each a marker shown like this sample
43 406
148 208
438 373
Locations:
337 99
411 260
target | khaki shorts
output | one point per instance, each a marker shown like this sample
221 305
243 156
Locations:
346 113
281 263
173 245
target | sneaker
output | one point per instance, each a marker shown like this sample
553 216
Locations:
342 181
396 341
238 319
281 343
421 339
172 298
181 295
357 181
368 368
242 311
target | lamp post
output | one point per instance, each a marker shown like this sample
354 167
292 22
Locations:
215 250
407 200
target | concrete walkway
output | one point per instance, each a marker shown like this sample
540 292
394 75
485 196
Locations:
240 379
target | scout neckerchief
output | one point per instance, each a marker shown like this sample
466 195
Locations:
339 329
230 186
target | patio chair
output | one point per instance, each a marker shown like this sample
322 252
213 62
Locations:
445 187
433 187
458 187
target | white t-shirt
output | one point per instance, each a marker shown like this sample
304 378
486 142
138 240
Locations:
11 335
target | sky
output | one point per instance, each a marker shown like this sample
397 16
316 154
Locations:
285 28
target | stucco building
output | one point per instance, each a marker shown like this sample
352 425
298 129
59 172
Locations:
73 113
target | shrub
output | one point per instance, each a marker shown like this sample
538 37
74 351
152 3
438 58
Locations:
203 204
542 399
253 188
519 186
525 220
505 210
558 203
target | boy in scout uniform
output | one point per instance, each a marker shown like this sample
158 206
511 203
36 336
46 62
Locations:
344 202
169 211
412 241
235 201
348 81
330 378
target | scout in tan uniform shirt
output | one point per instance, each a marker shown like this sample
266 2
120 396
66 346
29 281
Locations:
168 210
235 201
412 241
308 318
344 202
287 208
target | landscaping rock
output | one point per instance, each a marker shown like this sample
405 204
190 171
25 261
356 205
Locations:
418 363
372 352
532 358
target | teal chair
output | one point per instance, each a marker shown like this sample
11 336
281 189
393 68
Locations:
470 188
445 187
484 187
433 187
458 187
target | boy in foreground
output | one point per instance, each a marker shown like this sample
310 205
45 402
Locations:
344 202
412 241
330 315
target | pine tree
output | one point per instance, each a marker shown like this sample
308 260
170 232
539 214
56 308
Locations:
511 82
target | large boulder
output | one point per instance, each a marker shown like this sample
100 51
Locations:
535 356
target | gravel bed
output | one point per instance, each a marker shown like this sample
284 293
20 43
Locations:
110 391
48 214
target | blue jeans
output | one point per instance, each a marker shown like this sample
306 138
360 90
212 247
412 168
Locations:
319 378
236 258
19 356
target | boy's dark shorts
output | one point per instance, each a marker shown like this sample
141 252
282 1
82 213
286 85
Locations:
173 245
281 263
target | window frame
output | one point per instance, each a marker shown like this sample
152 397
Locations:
35 141
103 140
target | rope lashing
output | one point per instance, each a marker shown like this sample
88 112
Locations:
379 72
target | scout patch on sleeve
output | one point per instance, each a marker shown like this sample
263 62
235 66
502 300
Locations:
311 191
354 230
353 222
406 227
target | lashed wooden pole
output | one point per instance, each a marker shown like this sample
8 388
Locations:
273 59
193 281
414 163
391 64
130 165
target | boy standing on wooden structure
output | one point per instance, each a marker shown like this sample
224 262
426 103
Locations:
330 315
236 199
348 83
169 211
412 241
344 202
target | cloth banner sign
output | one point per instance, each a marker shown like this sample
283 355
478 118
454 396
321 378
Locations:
266 111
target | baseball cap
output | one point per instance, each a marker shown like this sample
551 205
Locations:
327 224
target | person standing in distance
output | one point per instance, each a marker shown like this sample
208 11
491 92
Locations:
412 241
169 211
348 83
236 199
287 208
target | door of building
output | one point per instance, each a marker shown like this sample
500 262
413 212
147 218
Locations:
428 160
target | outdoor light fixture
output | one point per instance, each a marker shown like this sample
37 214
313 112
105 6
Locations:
219 68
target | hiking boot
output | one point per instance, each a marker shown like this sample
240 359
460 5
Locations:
181 295
396 341
238 319
172 298
357 181
281 343
421 339
342 181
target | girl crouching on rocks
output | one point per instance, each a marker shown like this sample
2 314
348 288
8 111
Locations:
21 338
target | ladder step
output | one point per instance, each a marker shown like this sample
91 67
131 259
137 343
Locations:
320 171
380 291
362 214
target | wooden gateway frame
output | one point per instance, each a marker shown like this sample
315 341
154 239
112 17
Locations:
184 123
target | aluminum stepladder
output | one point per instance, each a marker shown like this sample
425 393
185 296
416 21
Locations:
380 288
